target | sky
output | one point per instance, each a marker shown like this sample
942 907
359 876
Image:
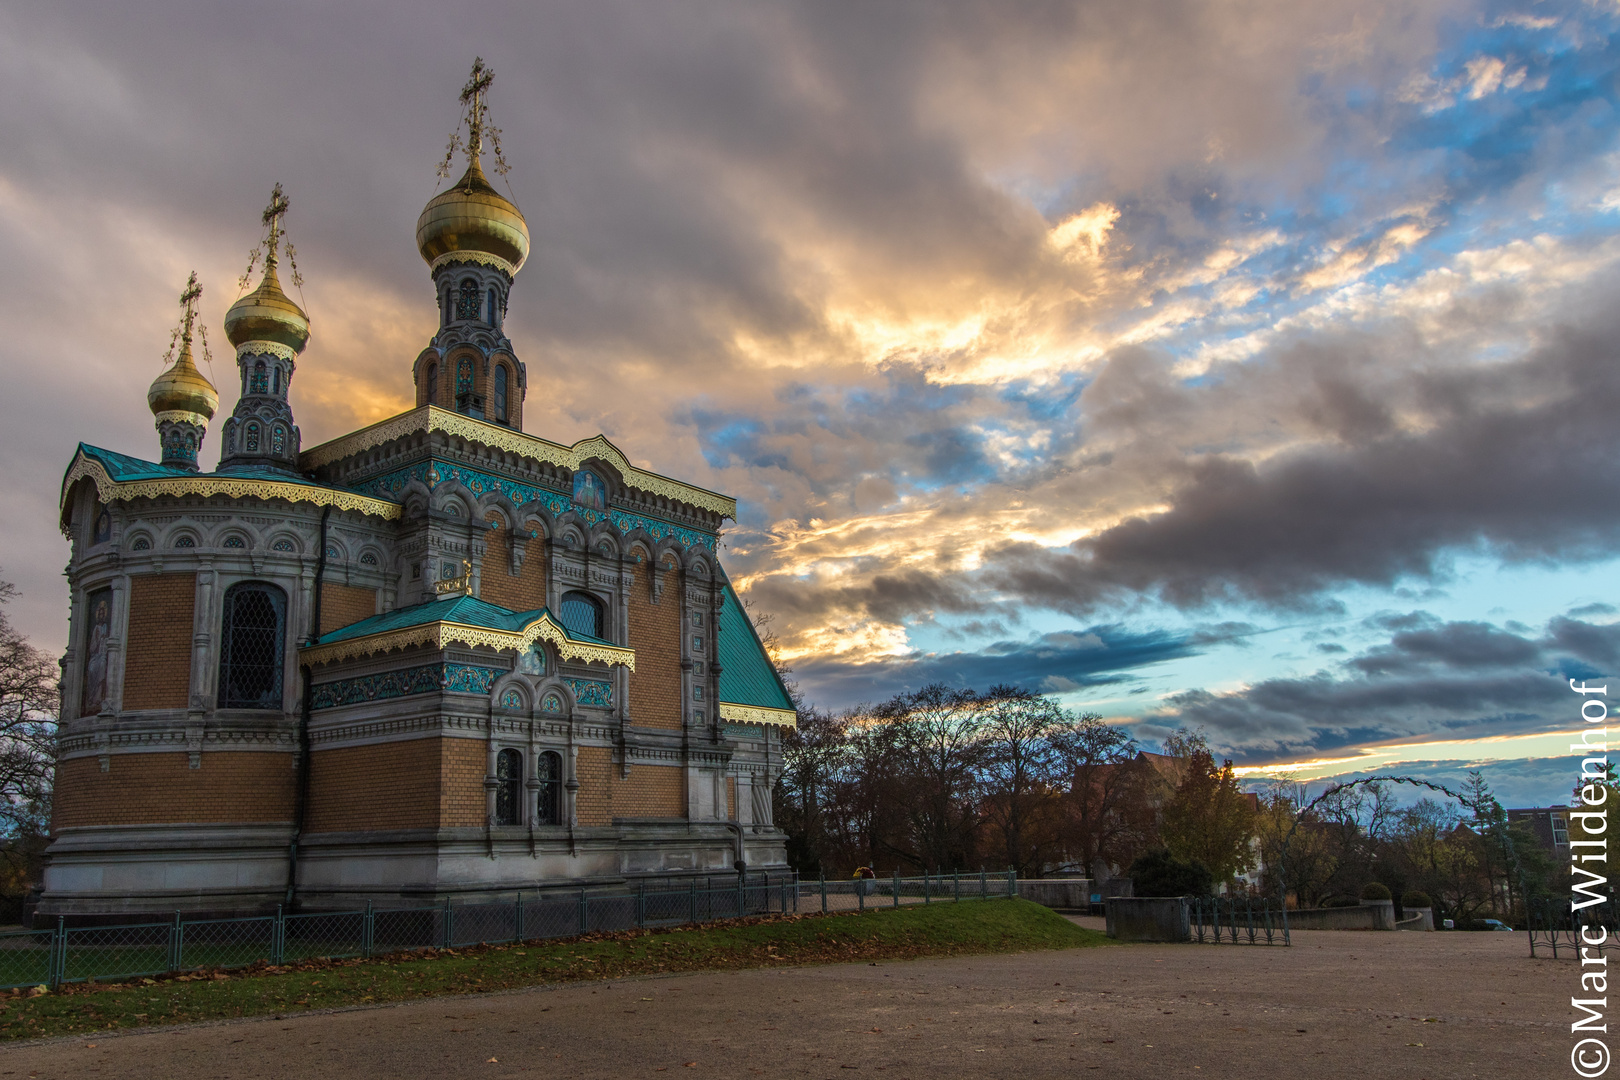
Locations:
1241 365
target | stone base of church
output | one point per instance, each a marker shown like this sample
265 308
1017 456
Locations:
149 872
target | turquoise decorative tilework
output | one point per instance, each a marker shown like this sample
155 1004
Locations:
591 692
745 731
392 485
425 679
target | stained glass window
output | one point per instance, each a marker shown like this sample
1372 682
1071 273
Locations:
467 302
463 376
278 439
548 804
252 643
251 441
261 378
508 787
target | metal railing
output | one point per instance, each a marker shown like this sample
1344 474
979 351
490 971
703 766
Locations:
1230 920
1554 926
63 953
858 894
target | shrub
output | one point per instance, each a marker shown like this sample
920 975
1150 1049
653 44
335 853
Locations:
1159 873
1415 899
1375 891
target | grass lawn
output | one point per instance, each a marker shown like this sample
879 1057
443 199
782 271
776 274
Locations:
880 934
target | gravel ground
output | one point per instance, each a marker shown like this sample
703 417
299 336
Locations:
1337 1004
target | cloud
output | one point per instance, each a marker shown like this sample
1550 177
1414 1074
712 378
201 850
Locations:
1448 680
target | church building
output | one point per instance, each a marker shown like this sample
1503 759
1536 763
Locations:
437 657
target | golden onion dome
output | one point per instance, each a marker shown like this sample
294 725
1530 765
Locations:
182 388
472 216
267 314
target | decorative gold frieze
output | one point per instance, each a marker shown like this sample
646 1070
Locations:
440 634
432 418
755 714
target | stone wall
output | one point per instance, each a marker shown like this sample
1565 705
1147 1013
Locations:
1149 918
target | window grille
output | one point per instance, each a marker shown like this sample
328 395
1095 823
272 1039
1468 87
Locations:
261 378
252 441
253 641
278 439
582 614
509 787
234 542
548 802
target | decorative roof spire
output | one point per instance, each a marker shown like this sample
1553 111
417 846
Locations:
474 99
267 313
182 398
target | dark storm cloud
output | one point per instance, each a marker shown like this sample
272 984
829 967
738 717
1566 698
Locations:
1457 680
1516 461
1053 663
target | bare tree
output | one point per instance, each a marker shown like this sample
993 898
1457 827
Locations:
29 701
1106 818
1020 767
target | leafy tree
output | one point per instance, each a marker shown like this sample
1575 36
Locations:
1210 820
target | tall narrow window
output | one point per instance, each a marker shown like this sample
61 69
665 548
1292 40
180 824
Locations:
276 379
433 384
508 788
463 377
251 440
548 804
252 642
467 302
500 392
492 310
278 439
582 614
261 378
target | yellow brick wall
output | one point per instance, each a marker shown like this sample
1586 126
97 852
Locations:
345 604
523 591
650 791
148 789
594 801
157 665
462 767
386 786
655 635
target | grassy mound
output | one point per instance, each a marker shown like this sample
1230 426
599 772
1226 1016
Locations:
879 934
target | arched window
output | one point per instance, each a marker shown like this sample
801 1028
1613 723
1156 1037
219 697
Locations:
251 441
508 788
492 310
433 384
277 378
278 439
548 804
463 378
500 392
582 614
261 378
252 643
467 302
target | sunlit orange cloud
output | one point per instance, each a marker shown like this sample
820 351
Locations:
1387 756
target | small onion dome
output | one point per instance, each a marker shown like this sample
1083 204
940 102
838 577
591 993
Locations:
266 314
472 216
183 388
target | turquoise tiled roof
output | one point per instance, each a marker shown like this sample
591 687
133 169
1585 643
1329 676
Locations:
122 468
746 674
465 610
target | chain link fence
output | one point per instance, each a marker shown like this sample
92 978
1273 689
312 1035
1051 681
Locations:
50 957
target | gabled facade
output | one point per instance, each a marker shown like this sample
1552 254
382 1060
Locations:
434 657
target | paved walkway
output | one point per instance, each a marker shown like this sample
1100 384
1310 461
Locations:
1362 1005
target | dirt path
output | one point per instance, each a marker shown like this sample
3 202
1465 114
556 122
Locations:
1334 1005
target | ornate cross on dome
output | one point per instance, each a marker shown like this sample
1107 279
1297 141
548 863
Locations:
272 218
472 96
188 301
